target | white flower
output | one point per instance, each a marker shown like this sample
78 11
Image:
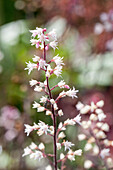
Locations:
93 117
36 58
35 105
95 150
61 135
58 70
86 124
58 60
104 153
93 107
33 146
35 42
48 167
33 82
98 111
79 106
36 155
52 34
71 155
88 147
67 145
77 119
36 32
41 109
43 128
30 67
61 84
55 106
81 137
53 44
72 93
100 135
28 129
98 29
42 64
78 152
62 94
100 103
41 146
105 127
62 156
69 122
61 127
43 99
85 109
58 146
60 112
52 101
38 89
88 164
101 116
48 112
27 151
42 38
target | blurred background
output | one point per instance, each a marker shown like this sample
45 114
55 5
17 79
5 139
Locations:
85 35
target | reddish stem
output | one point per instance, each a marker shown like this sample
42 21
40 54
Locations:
54 117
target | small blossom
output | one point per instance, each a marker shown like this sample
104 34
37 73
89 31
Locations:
77 119
78 152
58 146
33 146
53 44
61 127
88 164
33 82
101 116
105 127
95 150
104 153
98 111
43 99
43 128
93 117
36 32
30 67
41 146
38 89
51 130
52 34
55 106
100 135
71 155
62 94
72 93
61 135
93 107
52 101
36 58
58 60
28 129
60 112
37 155
81 137
100 103
42 64
27 151
62 156
88 147
79 106
35 42
85 109
67 145
86 124
48 167
48 112
35 105
40 109
69 122
58 70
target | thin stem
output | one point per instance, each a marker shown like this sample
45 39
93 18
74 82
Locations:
54 116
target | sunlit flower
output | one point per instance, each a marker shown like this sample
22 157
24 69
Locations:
33 82
72 93
53 44
104 153
36 155
30 67
67 145
28 129
27 151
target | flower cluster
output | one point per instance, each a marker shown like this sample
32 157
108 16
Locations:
96 127
44 40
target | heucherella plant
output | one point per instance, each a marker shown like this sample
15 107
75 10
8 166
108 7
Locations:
97 145
43 41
